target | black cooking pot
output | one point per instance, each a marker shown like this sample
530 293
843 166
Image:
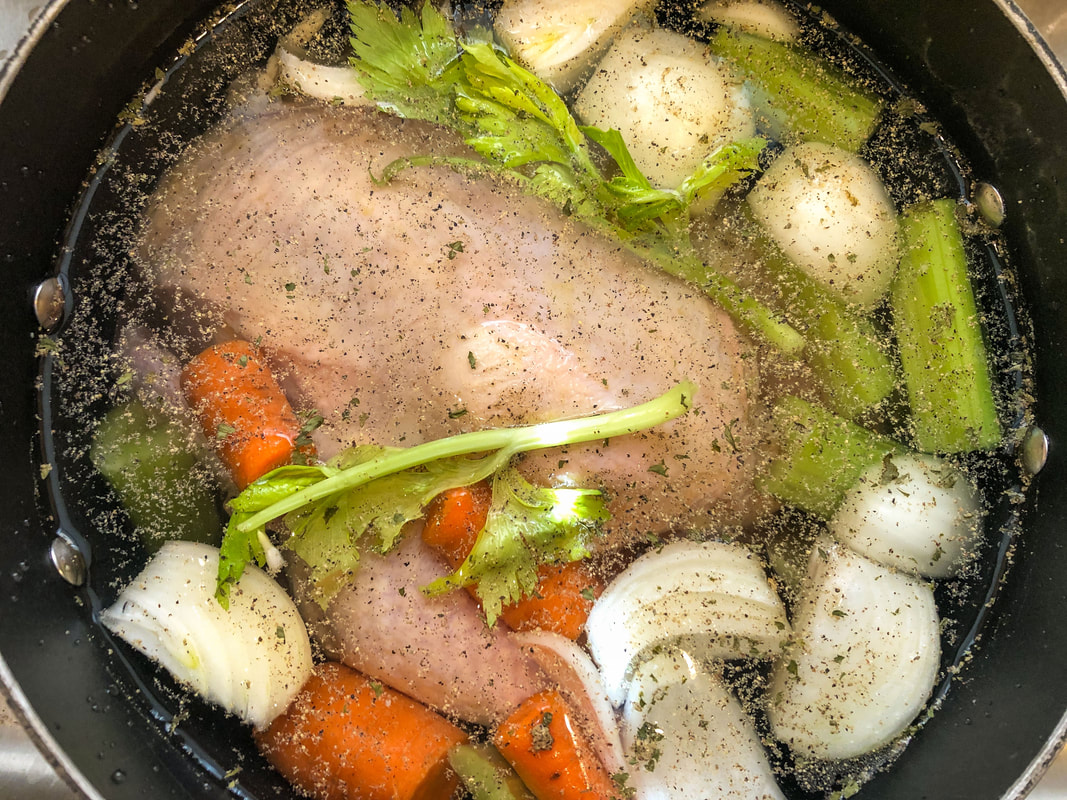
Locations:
120 730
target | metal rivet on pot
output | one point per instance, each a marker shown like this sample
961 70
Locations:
1033 452
50 302
68 560
990 204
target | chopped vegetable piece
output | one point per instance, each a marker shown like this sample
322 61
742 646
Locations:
346 737
822 456
541 741
560 40
831 215
150 462
688 737
842 348
698 105
454 519
526 526
485 773
939 332
335 503
242 409
713 598
336 84
251 659
407 64
914 513
765 18
564 593
561 602
804 95
865 658
569 668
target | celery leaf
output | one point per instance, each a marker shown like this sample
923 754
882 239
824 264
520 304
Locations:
526 526
407 63
241 546
329 536
330 508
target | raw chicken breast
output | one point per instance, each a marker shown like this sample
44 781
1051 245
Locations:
438 650
441 303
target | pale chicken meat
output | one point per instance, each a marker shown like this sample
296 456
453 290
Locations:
442 302
436 649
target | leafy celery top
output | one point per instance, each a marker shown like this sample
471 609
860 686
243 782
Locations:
374 491
414 66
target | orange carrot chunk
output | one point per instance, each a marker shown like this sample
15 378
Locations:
345 737
543 744
455 518
562 602
565 592
242 409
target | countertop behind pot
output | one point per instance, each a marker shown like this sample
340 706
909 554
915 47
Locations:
24 772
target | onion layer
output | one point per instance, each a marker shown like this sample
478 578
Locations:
713 598
672 103
558 40
915 512
687 737
831 215
251 660
335 83
765 18
867 654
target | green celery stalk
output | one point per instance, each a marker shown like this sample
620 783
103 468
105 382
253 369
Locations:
502 443
804 94
822 456
145 457
939 334
741 305
842 347
329 507
485 773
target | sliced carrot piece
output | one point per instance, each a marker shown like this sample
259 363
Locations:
542 742
345 737
455 518
242 409
565 592
562 602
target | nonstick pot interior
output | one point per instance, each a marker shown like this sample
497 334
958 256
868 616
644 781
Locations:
966 60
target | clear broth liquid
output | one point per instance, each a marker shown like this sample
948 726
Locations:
186 96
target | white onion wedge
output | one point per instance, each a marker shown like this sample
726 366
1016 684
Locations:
251 659
712 597
867 655
916 513
669 99
687 737
290 67
336 84
764 18
558 40
831 216
571 669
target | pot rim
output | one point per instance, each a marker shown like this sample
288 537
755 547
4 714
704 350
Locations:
31 723
1033 773
1039 766
41 22
1034 38
38 732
